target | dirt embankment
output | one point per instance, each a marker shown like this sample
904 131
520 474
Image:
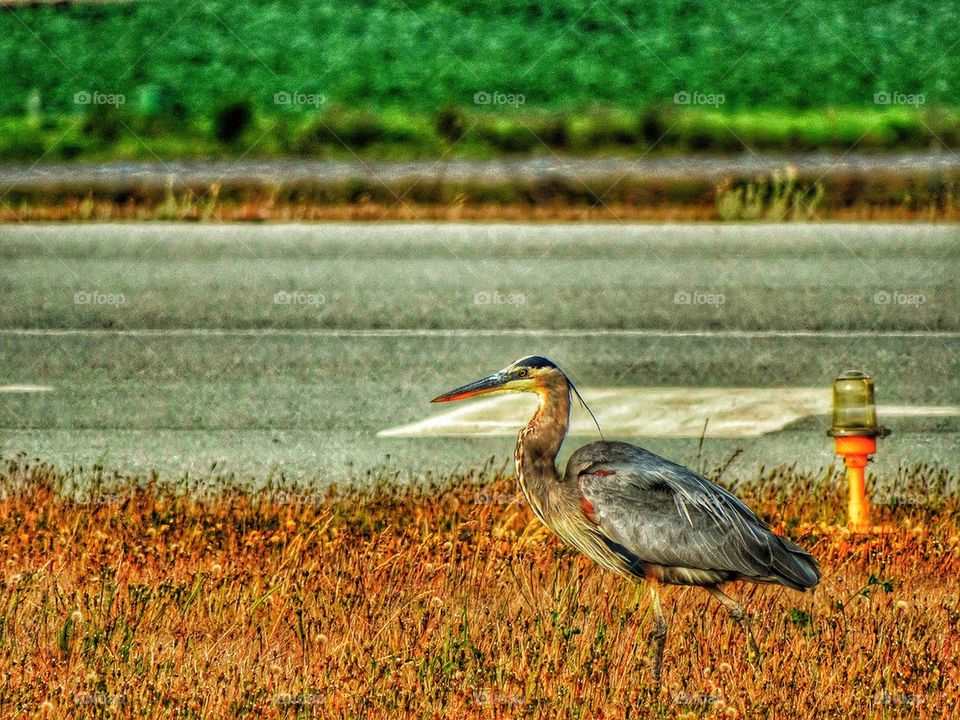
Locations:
745 187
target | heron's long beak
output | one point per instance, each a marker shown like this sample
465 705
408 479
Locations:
489 384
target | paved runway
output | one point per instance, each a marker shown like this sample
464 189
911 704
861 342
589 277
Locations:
288 348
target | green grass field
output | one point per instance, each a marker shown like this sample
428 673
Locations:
339 134
560 54
310 405
395 79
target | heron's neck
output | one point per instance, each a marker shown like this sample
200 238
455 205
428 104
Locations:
539 442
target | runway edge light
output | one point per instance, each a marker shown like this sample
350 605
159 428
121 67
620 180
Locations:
855 431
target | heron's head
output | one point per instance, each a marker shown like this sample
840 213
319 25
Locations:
530 374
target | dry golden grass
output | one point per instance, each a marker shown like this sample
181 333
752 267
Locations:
131 600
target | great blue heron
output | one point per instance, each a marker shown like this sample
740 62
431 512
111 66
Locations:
636 513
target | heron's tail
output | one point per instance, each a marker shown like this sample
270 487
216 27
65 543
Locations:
794 567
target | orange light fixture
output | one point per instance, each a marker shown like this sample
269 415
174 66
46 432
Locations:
855 431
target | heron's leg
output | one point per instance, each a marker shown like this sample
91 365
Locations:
739 615
658 636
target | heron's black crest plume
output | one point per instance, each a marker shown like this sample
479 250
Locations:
574 391
583 403
538 361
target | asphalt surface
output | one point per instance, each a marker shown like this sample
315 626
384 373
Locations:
511 170
286 349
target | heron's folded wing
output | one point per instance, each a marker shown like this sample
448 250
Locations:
666 514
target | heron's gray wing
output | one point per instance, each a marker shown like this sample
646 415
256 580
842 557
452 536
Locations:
667 515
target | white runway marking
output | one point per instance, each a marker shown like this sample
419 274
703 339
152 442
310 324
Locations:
480 333
653 412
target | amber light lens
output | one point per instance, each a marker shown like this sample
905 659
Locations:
854 406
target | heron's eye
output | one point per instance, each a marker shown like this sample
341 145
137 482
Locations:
522 372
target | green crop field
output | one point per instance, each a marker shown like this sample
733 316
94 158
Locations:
402 79
559 54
